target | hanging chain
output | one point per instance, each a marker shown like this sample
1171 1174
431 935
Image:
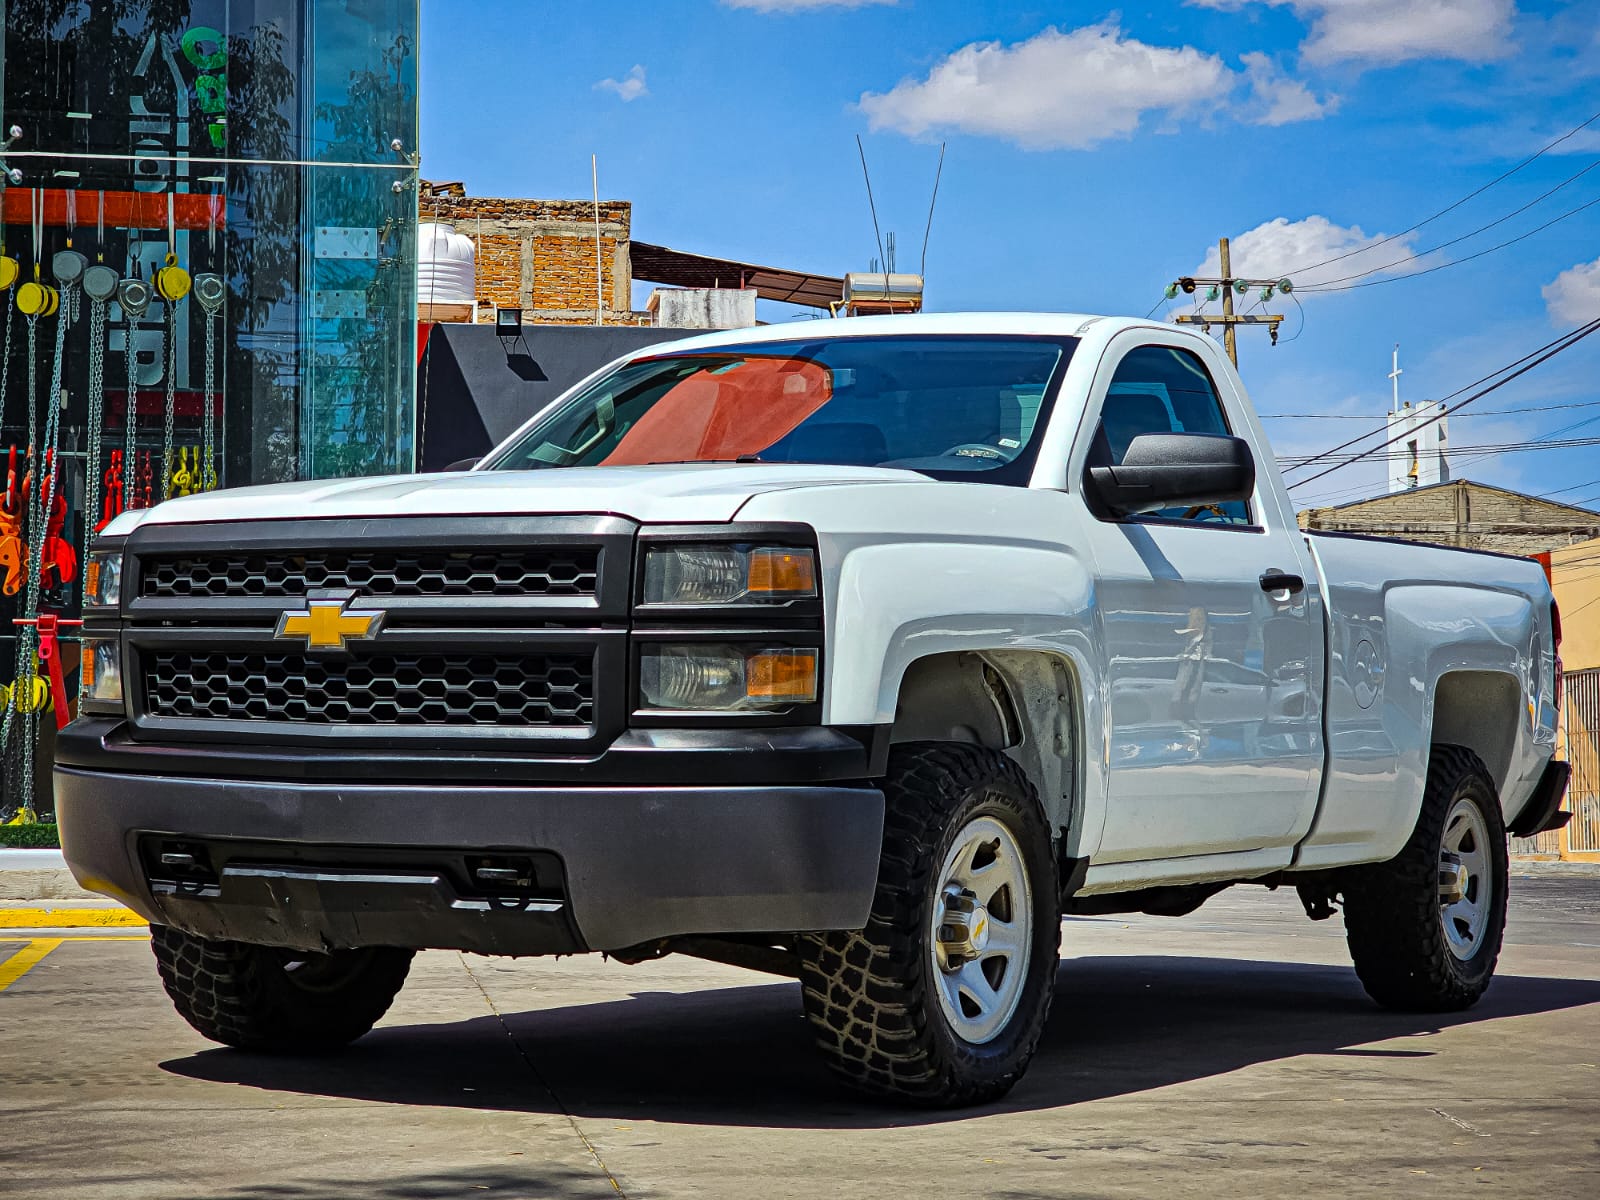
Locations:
208 472
5 370
16 676
172 399
41 500
96 417
131 424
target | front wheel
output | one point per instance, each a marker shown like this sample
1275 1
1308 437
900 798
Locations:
277 1001
941 999
1425 928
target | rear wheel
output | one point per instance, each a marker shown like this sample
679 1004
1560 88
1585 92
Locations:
1425 928
274 1000
941 999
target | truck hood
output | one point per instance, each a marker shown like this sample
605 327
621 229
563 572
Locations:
680 493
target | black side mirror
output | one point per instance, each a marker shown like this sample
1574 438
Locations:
1164 470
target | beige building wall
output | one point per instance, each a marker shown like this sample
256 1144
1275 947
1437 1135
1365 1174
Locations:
1575 578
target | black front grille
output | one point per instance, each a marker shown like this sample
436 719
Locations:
435 689
510 571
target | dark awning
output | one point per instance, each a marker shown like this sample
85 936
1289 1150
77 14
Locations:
658 264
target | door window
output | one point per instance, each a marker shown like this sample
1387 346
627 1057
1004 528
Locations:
1161 389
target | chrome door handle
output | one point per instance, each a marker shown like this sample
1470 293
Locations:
1274 580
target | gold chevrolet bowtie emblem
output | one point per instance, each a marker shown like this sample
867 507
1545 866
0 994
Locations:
327 624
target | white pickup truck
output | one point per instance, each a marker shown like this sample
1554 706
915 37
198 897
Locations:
859 651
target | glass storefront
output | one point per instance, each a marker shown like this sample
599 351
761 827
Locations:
208 265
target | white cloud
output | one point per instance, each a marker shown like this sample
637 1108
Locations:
1056 90
1385 32
1296 249
800 5
1573 296
1276 99
630 87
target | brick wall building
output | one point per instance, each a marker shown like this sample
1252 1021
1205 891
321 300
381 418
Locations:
539 255
1473 516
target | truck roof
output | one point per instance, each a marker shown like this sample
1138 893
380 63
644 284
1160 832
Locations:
910 324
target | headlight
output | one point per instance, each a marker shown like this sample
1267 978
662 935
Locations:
714 677
728 574
102 579
101 674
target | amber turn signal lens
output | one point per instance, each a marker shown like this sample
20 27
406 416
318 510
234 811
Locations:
777 572
782 676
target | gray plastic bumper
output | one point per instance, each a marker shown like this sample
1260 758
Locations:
638 863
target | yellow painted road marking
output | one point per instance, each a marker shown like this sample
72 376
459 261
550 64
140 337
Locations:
46 917
141 937
24 960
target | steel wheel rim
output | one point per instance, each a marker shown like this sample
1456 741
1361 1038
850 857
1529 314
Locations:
1466 886
312 972
980 934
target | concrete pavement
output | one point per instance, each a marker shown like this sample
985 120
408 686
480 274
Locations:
1228 1052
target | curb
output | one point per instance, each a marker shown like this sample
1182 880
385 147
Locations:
49 916
30 875
1541 867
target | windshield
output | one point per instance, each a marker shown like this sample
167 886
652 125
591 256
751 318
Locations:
945 406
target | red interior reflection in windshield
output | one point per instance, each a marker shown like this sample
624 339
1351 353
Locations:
726 412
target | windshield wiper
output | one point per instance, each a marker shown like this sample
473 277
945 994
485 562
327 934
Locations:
678 462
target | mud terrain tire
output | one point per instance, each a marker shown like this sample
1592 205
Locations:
277 1001
1410 952
872 996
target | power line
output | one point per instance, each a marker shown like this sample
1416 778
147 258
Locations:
1570 179
1573 339
1484 379
1569 488
1456 262
1576 129
1478 452
1551 440
1488 412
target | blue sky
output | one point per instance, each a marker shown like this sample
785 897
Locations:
1095 153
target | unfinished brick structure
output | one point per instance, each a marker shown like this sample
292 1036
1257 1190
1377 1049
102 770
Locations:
1472 516
539 255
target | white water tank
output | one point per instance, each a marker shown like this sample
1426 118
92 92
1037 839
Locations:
447 277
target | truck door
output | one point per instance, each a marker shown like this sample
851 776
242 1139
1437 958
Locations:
1213 707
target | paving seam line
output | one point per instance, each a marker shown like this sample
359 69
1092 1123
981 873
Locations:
594 1151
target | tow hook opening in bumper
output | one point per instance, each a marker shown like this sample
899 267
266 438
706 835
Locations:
336 898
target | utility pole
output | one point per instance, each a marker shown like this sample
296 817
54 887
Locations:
1225 288
1228 336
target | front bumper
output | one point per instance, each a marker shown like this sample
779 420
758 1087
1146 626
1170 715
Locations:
334 864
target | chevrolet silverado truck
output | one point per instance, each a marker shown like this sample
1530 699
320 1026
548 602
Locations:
859 652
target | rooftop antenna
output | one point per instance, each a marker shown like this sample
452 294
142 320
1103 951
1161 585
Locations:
922 268
1394 377
599 271
884 258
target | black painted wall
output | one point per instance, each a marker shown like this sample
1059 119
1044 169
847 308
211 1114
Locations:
474 387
